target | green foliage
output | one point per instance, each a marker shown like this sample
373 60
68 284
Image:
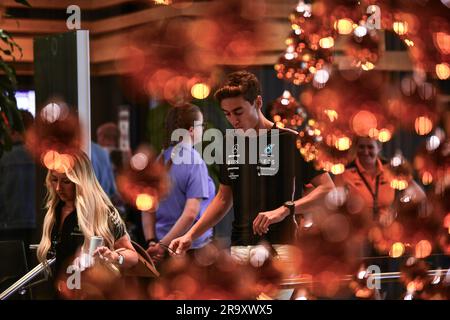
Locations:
9 115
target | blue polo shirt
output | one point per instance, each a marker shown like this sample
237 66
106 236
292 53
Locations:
188 180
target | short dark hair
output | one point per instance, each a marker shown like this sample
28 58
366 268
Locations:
239 83
27 118
180 117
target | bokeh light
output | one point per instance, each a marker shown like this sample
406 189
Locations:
384 135
344 26
144 202
397 250
362 122
423 249
139 161
423 125
427 178
400 27
443 71
200 91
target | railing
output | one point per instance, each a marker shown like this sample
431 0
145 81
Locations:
23 282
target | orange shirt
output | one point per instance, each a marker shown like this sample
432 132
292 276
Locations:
357 189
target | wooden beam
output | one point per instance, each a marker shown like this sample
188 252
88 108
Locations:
30 26
63 4
48 4
147 16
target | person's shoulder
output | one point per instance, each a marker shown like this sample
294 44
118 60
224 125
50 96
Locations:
287 131
194 155
18 155
98 152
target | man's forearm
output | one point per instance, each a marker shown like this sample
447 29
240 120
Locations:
181 227
212 215
315 199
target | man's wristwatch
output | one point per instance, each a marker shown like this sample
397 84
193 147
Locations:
291 206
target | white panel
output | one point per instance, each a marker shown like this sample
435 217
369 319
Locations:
84 89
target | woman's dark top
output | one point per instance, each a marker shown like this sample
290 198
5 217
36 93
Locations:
67 240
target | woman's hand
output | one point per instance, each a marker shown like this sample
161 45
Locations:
106 254
156 252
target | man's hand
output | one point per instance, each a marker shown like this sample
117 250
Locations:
156 252
264 219
181 244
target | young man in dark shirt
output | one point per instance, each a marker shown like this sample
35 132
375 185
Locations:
264 193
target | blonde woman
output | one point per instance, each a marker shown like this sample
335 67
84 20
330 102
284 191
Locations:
77 209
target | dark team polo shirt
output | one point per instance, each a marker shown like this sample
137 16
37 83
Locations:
266 184
67 241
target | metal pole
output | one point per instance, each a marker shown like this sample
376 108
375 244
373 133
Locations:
26 279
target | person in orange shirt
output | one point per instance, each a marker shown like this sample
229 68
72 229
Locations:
368 181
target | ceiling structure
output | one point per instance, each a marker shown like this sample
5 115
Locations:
111 23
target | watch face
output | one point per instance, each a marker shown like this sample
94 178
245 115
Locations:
289 204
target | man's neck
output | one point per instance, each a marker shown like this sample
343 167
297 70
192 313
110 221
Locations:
370 168
263 123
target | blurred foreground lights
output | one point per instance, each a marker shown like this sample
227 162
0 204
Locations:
53 112
442 42
337 168
163 2
400 27
61 163
326 43
373 133
344 26
285 98
447 221
207 255
144 202
427 178
336 198
367 66
433 143
397 160
437 278
423 249
321 77
336 228
258 256
423 125
408 296
363 121
406 199
360 31
332 114
361 274
384 135
397 250
308 223
139 161
200 91
443 71
51 160
304 8
343 143
399 184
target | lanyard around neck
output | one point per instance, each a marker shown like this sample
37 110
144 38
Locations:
373 193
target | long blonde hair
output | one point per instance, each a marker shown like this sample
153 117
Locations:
93 207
